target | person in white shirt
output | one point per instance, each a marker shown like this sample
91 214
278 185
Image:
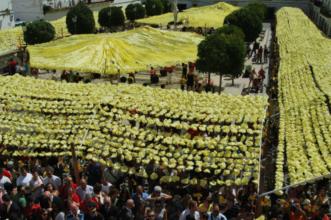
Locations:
83 189
50 178
191 212
24 178
216 214
3 179
36 184
105 186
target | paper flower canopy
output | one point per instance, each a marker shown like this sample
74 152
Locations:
205 16
124 52
304 83
166 135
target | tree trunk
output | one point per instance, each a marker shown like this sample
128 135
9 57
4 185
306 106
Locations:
232 81
220 86
208 79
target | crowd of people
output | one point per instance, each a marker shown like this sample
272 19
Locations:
189 79
47 189
258 53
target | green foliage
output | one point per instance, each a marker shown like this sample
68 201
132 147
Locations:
135 11
223 54
167 6
111 17
248 21
259 8
80 20
39 32
154 7
231 29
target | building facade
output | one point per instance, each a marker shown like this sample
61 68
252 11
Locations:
27 10
67 3
6 14
60 3
320 13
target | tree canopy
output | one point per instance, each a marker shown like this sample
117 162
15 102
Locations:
154 7
80 20
39 32
259 8
167 6
111 17
231 29
223 54
135 11
248 21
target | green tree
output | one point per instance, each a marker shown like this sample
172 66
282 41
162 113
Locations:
258 8
80 20
135 11
223 54
248 21
231 29
154 7
111 17
167 6
39 32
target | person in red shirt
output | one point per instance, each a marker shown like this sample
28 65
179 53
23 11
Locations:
261 73
84 204
7 174
67 183
72 195
297 212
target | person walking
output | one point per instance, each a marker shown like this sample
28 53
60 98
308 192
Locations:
184 70
259 55
190 81
265 54
252 76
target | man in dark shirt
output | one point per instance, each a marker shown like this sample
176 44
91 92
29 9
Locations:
126 212
9 209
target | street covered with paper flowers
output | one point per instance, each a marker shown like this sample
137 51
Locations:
103 147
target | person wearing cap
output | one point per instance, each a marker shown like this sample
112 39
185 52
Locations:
7 173
159 195
3 179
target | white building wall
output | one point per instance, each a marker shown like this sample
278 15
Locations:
60 3
28 10
6 14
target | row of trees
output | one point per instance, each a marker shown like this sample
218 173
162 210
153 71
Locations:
224 51
80 19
